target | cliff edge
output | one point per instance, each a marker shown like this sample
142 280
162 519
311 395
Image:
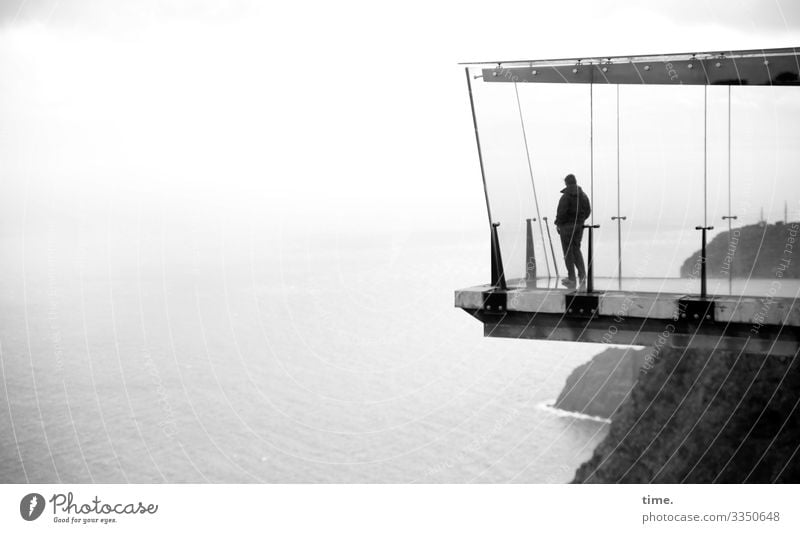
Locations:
695 417
750 251
600 386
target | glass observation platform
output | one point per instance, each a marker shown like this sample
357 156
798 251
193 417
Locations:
691 164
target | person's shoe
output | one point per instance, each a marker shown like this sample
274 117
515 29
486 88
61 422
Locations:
568 283
582 285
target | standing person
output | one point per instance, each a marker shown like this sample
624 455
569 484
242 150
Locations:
573 210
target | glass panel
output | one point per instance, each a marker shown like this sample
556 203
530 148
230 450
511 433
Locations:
661 153
717 197
756 257
604 189
506 169
661 176
664 145
557 122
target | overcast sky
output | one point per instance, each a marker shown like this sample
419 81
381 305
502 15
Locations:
348 114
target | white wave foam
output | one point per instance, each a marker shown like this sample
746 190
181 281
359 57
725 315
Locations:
549 406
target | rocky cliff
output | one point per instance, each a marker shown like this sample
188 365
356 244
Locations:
600 387
699 418
750 251
695 416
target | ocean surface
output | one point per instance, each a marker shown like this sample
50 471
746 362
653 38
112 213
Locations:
146 353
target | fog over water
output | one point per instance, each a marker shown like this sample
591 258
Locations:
217 357
230 234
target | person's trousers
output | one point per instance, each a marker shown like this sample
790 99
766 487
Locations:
571 236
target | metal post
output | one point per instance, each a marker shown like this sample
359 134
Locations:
619 220
730 266
544 249
552 250
590 272
703 291
530 256
498 273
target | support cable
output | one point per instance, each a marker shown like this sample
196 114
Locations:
498 274
618 218
705 227
533 183
591 149
478 143
592 225
705 155
729 151
730 228
729 217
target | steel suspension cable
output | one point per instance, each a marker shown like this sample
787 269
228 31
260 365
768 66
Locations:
591 150
619 219
705 227
730 217
729 150
705 155
533 183
478 143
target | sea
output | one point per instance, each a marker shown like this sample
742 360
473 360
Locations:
143 353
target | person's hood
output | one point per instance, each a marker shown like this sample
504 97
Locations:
572 190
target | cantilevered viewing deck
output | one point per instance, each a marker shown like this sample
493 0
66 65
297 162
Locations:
690 163
740 323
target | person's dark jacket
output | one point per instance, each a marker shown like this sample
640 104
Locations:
573 208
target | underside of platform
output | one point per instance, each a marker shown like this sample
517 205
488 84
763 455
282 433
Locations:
734 323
